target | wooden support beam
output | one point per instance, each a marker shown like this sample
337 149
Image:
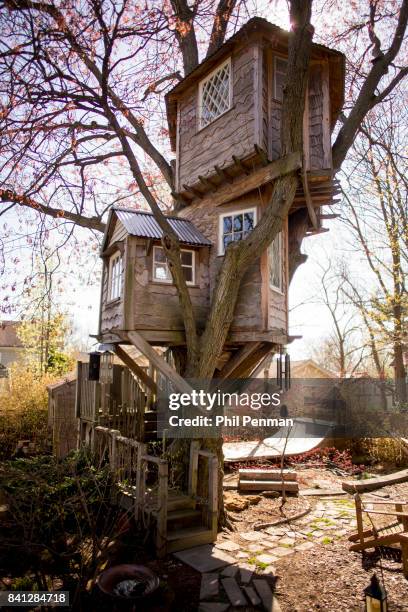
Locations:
309 203
262 154
330 216
237 359
207 183
257 178
240 165
223 174
194 192
135 368
157 360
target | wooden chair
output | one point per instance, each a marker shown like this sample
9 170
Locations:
395 531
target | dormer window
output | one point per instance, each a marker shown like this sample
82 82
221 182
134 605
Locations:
235 226
161 272
215 94
115 276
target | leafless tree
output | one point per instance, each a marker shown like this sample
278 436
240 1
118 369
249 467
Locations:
80 104
376 212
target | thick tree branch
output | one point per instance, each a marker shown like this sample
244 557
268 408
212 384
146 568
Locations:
185 34
92 223
367 97
220 24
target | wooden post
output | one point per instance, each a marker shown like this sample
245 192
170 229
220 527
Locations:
213 494
113 450
193 468
161 534
78 390
404 549
359 517
140 479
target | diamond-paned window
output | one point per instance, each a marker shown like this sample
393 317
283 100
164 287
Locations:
215 94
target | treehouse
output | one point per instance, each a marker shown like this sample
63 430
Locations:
224 126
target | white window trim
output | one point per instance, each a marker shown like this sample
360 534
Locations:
275 60
282 260
112 260
169 281
231 213
200 94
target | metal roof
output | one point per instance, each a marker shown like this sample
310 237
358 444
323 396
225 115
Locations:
144 225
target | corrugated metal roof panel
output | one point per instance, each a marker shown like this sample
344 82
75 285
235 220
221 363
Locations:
144 225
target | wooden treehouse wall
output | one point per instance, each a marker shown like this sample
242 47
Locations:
232 134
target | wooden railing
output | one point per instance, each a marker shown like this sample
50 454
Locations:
210 509
129 461
118 405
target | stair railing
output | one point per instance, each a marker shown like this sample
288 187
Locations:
211 511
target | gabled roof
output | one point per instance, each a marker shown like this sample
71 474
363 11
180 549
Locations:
143 225
8 334
261 26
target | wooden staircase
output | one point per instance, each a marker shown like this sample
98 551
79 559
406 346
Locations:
181 519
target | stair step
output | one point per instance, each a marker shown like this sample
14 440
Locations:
189 537
181 502
178 519
268 485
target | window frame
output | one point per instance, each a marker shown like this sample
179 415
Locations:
201 84
275 71
282 260
169 281
115 257
221 250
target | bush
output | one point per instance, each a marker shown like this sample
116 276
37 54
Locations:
23 411
60 520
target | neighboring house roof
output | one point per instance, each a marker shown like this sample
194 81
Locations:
144 225
8 335
310 364
261 26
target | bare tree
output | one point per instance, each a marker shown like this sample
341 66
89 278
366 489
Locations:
376 201
73 91
342 350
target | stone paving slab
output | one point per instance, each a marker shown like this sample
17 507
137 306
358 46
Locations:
268 600
228 545
209 586
252 596
205 558
230 571
245 573
212 607
233 591
269 559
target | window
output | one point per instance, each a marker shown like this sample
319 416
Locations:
281 66
215 94
276 263
115 276
161 270
235 226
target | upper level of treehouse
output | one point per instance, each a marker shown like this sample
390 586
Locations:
224 117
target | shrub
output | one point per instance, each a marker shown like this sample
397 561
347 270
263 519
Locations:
23 411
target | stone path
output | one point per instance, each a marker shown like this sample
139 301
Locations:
239 570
